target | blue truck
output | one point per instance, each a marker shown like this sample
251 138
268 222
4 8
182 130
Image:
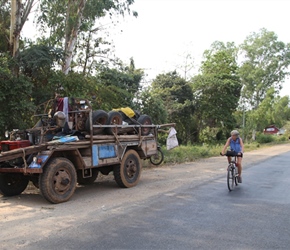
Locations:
56 166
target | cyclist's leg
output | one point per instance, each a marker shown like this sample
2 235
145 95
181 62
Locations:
229 159
239 165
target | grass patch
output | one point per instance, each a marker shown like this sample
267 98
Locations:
192 153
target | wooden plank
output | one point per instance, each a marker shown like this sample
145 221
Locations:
10 157
21 170
120 137
27 150
16 153
167 125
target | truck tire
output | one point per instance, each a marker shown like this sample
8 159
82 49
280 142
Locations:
127 174
115 118
99 117
12 184
145 120
89 180
58 181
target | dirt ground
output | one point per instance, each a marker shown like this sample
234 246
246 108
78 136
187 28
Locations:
28 218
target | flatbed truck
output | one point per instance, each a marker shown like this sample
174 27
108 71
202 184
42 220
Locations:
56 167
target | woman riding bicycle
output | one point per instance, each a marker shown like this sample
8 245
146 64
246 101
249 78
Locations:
236 144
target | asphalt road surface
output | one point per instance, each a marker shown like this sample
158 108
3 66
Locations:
200 214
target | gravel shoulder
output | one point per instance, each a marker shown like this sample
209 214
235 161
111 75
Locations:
28 218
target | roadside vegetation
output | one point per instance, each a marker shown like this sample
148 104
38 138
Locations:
198 151
191 153
237 85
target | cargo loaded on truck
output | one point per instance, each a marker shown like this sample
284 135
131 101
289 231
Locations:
55 166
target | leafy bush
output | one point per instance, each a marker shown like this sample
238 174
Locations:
190 153
282 138
262 138
208 135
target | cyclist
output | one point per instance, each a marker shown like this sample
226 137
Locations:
236 144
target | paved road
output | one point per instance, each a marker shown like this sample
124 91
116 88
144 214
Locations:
255 215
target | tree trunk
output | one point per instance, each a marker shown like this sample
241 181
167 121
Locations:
26 12
15 27
18 19
87 57
72 34
254 134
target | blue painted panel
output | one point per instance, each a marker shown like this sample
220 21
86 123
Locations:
107 151
95 156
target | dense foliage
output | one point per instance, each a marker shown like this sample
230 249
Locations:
234 82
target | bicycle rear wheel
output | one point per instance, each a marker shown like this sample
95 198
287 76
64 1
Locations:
231 178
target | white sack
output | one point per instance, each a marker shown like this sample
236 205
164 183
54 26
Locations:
172 141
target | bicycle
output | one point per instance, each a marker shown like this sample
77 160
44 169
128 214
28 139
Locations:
158 158
232 171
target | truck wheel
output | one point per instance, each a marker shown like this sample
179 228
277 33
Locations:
58 181
115 118
12 184
145 120
127 174
89 180
100 117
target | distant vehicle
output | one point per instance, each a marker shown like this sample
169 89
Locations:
271 130
281 131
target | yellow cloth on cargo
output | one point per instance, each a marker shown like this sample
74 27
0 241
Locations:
127 111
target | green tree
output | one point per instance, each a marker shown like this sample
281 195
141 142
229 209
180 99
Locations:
151 104
37 62
15 99
217 90
125 77
265 65
111 97
73 85
4 25
67 19
281 111
177 97
259 118
117 87
272 110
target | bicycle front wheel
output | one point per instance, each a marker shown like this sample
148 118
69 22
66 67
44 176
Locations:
231 179
236 180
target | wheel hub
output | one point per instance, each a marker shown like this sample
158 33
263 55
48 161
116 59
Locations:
131 168
61 181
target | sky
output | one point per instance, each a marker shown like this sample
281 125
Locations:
165 31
